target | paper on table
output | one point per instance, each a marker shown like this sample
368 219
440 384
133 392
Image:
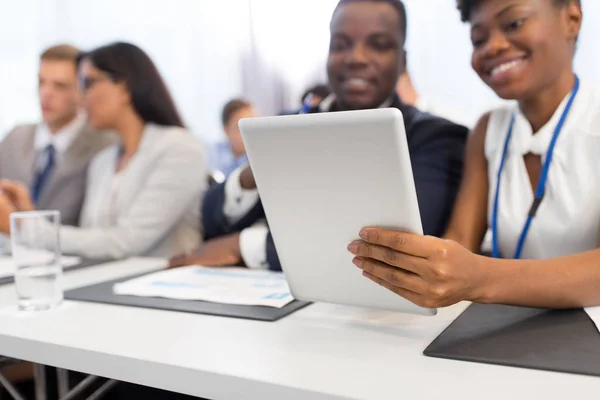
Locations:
594 314
7 266
217 285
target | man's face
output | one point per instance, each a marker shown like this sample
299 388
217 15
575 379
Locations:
232 130
366 54
58 91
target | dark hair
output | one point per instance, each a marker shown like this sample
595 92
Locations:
466 6
319 90
125 62
61 52
397 4
231 108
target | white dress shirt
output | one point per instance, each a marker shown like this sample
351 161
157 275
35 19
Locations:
568 218
60 140
238 202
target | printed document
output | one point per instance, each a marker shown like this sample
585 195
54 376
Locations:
240 286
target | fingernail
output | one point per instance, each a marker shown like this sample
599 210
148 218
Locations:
358 262
353 248
363 234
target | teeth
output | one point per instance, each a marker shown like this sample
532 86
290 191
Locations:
357 82
505 67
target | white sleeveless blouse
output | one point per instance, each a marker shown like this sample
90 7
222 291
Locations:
568 220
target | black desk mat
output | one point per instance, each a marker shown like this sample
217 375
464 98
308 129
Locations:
103 293
550 340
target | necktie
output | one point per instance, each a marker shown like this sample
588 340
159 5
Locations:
43 173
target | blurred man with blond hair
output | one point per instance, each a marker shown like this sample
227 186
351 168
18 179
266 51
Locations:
52 156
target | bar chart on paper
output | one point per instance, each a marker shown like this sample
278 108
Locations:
240 286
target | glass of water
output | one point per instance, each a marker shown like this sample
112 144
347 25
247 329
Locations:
36 254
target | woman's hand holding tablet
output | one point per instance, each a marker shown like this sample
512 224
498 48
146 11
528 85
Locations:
425 270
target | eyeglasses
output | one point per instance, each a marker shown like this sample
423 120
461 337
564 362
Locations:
87 83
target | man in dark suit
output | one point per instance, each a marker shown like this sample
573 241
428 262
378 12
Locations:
366 57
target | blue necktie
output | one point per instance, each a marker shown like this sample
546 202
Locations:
43 173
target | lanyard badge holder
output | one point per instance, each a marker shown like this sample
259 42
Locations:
541 187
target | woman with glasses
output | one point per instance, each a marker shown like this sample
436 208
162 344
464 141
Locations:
143 196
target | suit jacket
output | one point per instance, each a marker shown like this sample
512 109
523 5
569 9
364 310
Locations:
436 149
65 189
151 208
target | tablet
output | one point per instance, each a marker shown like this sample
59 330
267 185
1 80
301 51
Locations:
323 177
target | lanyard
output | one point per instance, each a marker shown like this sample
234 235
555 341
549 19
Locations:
541 187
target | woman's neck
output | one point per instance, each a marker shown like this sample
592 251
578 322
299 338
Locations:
131 130
540 108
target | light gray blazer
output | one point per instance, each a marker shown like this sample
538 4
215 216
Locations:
151 208
65 189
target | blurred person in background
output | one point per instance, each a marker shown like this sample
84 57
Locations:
314 96
230 154
51 158
143 195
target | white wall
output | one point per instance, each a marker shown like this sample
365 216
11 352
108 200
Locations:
210 51
199 54
290 41
23 26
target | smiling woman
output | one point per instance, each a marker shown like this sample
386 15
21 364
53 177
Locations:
532 173
530 39
523 50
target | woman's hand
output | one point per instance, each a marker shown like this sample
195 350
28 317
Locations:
18 194
425 270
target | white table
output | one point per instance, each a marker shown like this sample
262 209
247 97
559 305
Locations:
321 352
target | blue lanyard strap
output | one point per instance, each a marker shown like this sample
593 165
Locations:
541 187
